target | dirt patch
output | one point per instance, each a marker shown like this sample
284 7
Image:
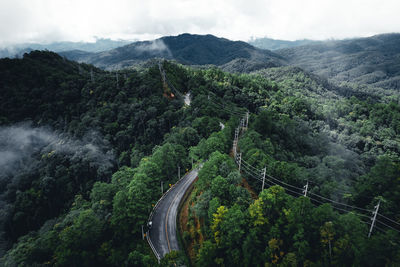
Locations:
167 92
246 185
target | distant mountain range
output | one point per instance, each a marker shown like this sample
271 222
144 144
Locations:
363 61
373 61
98 46
274 44
185 48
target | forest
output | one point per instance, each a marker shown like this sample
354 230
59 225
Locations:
370 62
84 151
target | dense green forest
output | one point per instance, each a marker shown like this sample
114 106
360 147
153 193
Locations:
89 149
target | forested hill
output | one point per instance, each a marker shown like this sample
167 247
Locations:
83 153
185 48
373 61
66 128
275 44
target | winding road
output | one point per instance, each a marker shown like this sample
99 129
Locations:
163 235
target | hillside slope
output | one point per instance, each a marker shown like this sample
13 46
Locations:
185 48
274 44
373 61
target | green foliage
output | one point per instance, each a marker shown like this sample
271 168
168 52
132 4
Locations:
206 125
85 231
383 180
220 187
207 254
173 258
210 168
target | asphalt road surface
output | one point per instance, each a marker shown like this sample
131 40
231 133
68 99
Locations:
163 233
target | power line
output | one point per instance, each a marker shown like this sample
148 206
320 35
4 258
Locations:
384 232
273 178
253 173
257 171
221 106
250 172
388 226
250 165
339 203
224 109
388 219
295 187
239 113
380 229
258 175
336 189
287 189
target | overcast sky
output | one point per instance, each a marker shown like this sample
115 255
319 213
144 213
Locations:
82 20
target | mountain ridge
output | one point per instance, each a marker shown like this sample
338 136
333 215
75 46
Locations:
371 61
275 44
188 49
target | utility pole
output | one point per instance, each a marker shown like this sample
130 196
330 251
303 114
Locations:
91 75
235 141
305 189
242 123
374 213
116 77
247 119
162 189
234 148
240 160
263 181
159 67
179 172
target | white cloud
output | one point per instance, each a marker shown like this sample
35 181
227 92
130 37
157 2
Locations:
56 20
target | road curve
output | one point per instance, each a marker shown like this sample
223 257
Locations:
163 235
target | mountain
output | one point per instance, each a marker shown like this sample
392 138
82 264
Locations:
98 46
274 44
367 61
185 48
